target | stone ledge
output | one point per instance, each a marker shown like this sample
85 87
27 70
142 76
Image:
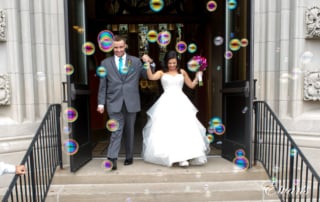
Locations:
306 139
306 133
16 138
18 130
15 144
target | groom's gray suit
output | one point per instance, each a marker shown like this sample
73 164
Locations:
120 94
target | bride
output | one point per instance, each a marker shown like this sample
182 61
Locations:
173 134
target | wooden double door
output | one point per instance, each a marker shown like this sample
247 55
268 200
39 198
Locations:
221 32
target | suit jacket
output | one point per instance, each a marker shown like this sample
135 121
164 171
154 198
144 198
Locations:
116 89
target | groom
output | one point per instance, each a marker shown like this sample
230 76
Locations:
119 91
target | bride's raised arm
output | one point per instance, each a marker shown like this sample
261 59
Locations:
153 76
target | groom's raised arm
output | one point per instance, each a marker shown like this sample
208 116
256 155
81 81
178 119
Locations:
146 58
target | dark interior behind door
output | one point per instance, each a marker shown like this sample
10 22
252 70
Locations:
237 94
78 82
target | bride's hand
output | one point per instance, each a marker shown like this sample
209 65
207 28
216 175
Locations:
199 73
146 58
199 77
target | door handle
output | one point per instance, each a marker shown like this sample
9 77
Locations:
246 89
64 90
73 92
255 88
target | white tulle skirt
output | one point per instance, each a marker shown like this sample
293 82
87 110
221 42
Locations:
173 133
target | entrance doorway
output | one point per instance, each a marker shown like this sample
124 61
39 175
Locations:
207 28
133 20
149 90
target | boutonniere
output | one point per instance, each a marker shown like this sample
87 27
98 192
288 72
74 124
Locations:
128 66
129 63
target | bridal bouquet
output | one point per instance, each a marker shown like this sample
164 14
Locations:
198 63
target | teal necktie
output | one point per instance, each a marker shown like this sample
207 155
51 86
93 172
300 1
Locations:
120 65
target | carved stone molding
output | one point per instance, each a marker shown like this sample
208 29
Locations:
312 86
3 25
312 22
4 89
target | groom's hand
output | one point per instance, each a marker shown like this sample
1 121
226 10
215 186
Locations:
100 109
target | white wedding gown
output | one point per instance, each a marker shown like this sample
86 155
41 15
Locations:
173 133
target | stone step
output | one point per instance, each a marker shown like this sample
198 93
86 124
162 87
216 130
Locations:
217 169
218 180
168 192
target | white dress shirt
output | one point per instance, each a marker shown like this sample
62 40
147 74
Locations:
116 58
7 168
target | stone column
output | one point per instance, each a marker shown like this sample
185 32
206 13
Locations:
287 62
33 56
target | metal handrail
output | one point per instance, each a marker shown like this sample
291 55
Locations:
42 158
292 175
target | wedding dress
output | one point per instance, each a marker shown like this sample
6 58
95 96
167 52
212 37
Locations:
173 133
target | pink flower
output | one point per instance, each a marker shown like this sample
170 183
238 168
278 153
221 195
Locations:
201 66
202 62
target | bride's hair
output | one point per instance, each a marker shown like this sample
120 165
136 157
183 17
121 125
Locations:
170 55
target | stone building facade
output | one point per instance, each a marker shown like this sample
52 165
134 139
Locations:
287 66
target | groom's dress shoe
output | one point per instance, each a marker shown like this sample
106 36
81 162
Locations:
128 162
114 163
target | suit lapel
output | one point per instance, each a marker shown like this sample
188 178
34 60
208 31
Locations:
115 68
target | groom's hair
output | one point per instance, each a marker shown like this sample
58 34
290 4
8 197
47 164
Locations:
120 38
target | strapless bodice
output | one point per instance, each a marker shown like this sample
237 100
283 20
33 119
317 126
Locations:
169 82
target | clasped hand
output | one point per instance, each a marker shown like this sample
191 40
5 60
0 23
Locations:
20 169
146 58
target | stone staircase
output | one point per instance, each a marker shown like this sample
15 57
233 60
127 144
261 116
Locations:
218 180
